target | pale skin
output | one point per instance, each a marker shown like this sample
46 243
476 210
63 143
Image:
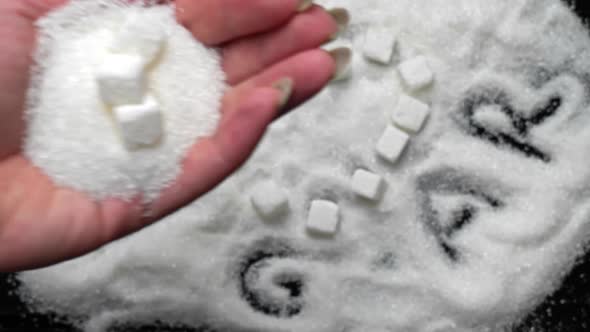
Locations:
261 41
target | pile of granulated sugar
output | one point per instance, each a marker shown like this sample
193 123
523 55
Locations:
73 134
330 228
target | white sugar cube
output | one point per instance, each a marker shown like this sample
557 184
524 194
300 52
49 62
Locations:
410 114
392 143
121 79
138 38
140 125
366 184
269 200
379 45
323 217
416 73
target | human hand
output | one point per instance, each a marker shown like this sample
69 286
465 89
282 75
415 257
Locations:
272 63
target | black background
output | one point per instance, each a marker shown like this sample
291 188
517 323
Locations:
568 310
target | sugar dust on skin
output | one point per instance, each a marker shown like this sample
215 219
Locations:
434 187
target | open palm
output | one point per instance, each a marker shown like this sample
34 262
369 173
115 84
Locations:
269 51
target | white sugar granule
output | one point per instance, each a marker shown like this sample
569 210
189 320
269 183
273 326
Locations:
71 135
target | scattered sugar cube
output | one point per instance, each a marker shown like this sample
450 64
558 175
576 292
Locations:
410 114
269 200
121 79
367 184
138 38
323 218
416 73
379 45
140 125
392 144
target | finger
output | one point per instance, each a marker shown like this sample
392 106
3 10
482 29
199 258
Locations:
248 56
211 160
310 70
217 21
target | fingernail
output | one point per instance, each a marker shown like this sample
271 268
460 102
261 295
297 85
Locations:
342 57
342 18
304 5
285 87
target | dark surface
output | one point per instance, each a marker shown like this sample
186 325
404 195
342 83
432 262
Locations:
568 310
14 316
582 7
